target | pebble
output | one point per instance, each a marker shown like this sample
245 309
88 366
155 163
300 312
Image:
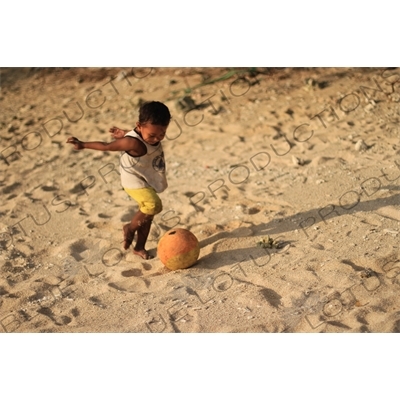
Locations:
296 161
360 145
121 75
12 128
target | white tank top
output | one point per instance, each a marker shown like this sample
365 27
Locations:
144 171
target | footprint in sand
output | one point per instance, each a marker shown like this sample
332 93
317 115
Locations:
57 320
139 285
101 215
132 272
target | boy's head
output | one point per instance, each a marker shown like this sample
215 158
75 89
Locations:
154 112
154 118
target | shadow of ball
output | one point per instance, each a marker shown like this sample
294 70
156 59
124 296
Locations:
178 249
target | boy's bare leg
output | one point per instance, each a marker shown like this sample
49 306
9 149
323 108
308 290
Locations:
141 224
129 235
142 235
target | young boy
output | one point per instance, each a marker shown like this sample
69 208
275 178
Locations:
142 168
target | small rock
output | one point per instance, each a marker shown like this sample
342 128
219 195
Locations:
367 273
120 76
299 161
187 103
12 128
360 145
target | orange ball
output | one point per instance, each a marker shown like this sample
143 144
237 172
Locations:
178 249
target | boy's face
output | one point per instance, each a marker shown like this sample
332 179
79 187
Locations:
151 134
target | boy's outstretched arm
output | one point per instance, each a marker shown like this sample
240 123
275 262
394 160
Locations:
125 144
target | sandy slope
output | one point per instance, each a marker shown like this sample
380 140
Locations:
309 157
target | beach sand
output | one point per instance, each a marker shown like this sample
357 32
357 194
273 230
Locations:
308 158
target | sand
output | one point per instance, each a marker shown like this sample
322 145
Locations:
308 159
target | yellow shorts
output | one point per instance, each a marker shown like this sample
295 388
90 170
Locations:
147 199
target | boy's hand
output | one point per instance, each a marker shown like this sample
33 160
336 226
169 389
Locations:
78 145
117 133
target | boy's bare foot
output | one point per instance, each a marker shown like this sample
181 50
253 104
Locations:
142 253
128 236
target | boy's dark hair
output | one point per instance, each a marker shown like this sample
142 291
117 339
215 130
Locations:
154 112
